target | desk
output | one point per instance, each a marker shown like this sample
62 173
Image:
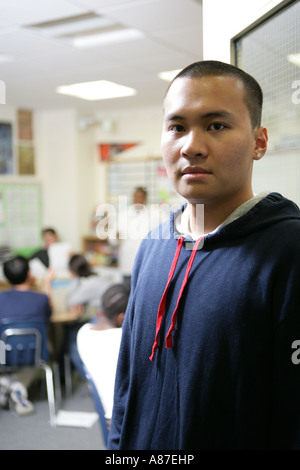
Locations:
4 285
65 317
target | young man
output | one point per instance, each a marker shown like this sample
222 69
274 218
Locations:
215 305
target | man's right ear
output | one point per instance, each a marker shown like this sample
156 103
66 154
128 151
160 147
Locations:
261 141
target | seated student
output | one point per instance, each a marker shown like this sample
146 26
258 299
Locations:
49 237
84 298
21 301
98 344
87 287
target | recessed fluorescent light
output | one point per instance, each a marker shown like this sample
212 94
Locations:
294 59
73 25
6 58
97 90
169 74
119 35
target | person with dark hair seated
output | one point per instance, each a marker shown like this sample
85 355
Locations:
21 301
99 344
83 298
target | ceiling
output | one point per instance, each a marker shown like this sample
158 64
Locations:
40 62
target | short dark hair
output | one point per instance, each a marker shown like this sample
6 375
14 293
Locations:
253 95
16 270
80 266
115 299
50 230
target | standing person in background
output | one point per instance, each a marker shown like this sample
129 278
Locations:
133 226
49 237
214 313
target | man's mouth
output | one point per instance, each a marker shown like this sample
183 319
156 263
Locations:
195 171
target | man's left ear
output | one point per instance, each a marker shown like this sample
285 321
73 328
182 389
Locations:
261 140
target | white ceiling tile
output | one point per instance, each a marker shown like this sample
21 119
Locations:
173 39
24 12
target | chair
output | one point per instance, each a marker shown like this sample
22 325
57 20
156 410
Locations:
98 406
24 343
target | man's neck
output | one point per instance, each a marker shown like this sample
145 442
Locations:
205 218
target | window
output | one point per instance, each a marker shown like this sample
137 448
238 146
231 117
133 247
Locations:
270 51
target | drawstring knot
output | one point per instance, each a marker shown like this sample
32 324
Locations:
162 304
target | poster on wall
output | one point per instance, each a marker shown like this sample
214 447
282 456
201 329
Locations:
26 160
25 131
6 149
110 150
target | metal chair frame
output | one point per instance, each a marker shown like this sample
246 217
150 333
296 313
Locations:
38 361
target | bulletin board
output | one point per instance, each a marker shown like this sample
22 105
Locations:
20 216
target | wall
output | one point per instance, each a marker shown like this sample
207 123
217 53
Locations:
140 126
224 20
65 165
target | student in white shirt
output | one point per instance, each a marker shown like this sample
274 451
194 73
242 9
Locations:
98 344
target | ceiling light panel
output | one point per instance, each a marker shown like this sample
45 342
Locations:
294 59
96 90
5 58
109 37
88 30
74 25
168 75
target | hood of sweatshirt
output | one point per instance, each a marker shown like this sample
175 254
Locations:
270 210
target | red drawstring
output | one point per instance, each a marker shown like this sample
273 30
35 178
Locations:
162 305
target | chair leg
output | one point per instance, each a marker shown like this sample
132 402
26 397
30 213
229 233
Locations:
57 385
68 375
50 393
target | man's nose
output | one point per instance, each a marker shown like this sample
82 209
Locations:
194 144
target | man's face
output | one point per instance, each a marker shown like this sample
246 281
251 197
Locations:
49 239
208 144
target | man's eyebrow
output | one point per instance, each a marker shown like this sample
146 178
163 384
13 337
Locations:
174 117
211 114
217 114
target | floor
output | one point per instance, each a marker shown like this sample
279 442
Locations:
33 432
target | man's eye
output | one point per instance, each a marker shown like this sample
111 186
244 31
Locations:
216 126
177 128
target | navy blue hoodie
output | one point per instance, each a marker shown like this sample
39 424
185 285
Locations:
228 381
